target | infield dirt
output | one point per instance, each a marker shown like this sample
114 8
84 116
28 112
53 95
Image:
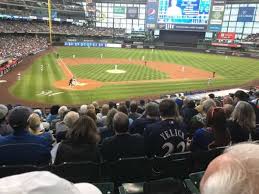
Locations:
174 71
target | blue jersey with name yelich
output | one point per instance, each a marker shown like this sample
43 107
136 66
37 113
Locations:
164 137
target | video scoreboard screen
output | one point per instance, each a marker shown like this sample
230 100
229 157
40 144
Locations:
183 13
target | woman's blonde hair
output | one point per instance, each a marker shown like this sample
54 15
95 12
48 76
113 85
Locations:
244 115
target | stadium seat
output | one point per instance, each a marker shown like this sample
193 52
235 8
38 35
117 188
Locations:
105 187
196 178
78 171
24 154
161 186
192 188
9 170
176 165
202 159
124 170
131 188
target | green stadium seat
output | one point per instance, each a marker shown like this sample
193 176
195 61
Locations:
124 170
192 188
196 178
202 159
161 186
176 165
131 188
105 187
78 171
9 170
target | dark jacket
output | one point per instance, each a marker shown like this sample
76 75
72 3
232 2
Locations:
187 114
105 132
122 146
134 116
71 152
237 133
23 148
140 124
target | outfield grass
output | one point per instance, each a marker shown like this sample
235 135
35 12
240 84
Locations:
133 72
234 70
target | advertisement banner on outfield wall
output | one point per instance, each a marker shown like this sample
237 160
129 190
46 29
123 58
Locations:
226 36
110 45
91 44
246 14
119 12
132 13
85 44
216 15
151 14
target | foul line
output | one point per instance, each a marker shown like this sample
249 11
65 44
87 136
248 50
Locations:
64 67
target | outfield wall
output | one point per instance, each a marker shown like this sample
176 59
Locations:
162 47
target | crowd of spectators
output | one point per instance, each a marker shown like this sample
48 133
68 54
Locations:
127 129
56 4
59 28
252 38
131 129
18 46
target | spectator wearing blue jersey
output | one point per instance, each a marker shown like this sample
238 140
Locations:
167 136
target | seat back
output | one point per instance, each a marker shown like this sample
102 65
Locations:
202 159
78 171
9 170
165 186
196 178
128 169
192 188
176 165
105 187
24 153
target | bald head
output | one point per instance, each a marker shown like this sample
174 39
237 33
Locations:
234 172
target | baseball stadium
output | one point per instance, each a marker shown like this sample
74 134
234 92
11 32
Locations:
129 96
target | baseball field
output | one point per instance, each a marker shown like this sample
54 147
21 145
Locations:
114 74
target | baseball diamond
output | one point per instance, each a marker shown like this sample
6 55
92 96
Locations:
162 74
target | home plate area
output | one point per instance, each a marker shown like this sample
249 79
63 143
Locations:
80 84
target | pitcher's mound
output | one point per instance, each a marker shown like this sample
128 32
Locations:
116 71
81 84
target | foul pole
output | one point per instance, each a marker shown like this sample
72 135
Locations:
50 22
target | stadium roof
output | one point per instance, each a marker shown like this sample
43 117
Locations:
242 1
121 1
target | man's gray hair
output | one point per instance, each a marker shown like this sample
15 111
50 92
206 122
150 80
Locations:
83 109
238 174
61 111
120 122
70 118
152 109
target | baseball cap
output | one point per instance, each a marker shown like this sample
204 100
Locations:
42 182
18 117
3 111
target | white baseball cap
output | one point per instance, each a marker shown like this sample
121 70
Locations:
43 182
